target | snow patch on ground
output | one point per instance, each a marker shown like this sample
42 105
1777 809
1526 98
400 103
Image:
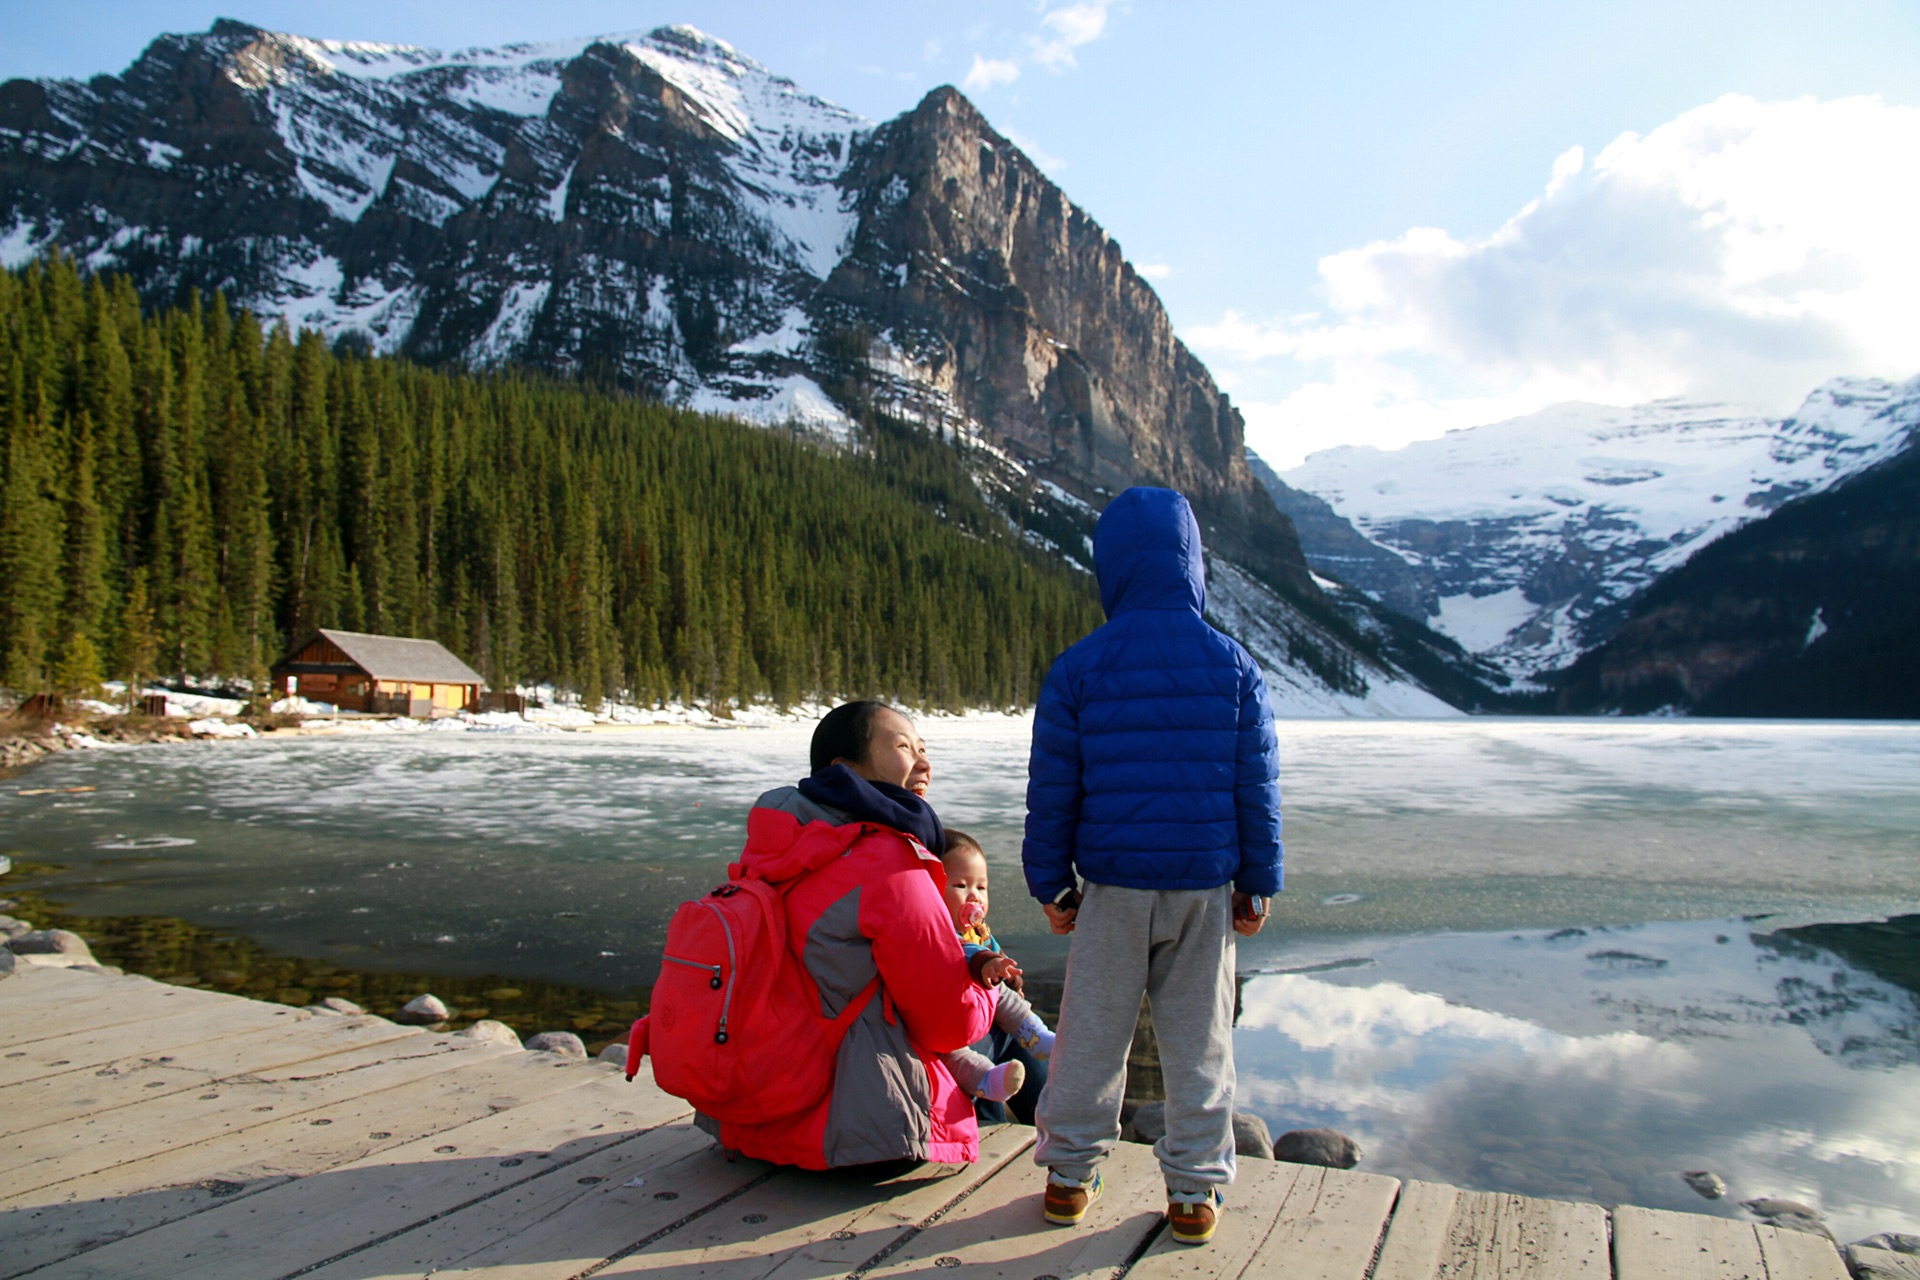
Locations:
794 400
1252 614
1484 622
19 245
519 308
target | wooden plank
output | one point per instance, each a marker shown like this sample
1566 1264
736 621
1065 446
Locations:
1311 1223
1505 1237
371 1110
98 1046
817 1224
36 988
267 1116
1800 1255
164 1070
1654 1244
104 1002
347 1211
998 1230
1417 1236
563 1226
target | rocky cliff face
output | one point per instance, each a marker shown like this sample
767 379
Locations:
659 213
991 298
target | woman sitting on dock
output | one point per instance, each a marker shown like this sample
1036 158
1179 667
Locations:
876 931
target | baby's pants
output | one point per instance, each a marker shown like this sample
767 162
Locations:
969 1066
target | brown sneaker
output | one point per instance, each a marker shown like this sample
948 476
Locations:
1193 1217
1067 1201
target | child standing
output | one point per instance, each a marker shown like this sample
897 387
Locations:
967 900
1154 778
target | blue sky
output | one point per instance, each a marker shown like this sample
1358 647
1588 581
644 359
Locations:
1369 219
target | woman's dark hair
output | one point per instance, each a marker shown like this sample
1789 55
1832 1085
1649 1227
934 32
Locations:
844 733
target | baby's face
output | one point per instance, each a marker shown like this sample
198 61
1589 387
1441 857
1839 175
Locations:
966 883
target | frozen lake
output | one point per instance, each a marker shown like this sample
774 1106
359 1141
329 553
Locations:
1510 954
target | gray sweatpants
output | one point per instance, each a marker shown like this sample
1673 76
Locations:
1176 947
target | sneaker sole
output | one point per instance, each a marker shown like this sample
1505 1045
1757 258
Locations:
1181 1238
1064 1220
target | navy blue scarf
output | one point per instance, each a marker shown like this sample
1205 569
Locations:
880 802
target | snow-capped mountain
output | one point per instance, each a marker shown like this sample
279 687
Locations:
661 213
1524 539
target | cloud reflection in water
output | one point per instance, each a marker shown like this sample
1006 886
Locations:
1578 1066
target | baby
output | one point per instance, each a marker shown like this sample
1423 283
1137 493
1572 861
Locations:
966 894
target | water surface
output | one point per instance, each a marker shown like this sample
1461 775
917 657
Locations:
1510 954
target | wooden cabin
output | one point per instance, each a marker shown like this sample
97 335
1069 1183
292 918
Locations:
387 675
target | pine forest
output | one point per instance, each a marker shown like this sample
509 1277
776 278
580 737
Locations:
186 493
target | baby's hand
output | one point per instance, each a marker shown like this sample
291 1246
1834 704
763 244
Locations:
999 970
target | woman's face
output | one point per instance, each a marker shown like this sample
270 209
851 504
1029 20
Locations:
895 754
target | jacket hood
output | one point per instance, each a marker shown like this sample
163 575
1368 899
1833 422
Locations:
1147 554
789 835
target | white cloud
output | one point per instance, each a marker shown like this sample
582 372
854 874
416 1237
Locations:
988 72
1067 29
1154 270
1064 29
1744 251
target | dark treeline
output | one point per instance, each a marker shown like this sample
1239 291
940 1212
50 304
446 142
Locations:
186 493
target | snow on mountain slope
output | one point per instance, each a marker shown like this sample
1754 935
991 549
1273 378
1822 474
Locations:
1270 628
1529 534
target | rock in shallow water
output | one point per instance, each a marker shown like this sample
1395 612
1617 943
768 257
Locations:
423 1010
564 1043
1327 1147
1706 1183
1250 1136
492 1032
336 1004
1250 1139
1788 1215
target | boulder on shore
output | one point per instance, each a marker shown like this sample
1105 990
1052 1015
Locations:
564 1043
490 1032
1890 1255
1328 1147
335 1004
1250 1139
616 1053
423 1010
61 947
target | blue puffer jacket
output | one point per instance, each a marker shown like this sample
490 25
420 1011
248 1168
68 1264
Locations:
1154 761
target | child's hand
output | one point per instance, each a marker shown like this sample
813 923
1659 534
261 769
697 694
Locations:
998 970
1060 919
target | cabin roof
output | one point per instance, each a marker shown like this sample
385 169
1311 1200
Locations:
396 657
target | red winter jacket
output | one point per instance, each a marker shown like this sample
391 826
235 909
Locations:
878 909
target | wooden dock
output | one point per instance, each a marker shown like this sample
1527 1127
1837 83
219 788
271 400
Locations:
151 1131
